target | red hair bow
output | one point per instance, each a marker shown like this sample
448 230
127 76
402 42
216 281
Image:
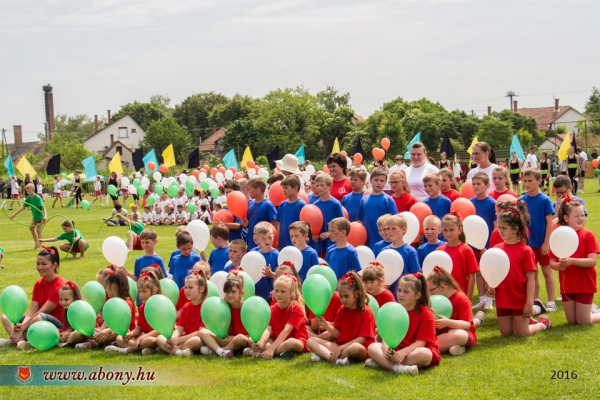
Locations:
377 263
567 198
289 264
145 276
438 270
349 277
72 285
50 249
293 279
155 266
112 267
235 269
513 212
111 273
456 214
235 273
418 275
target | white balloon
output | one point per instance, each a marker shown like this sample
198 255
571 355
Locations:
305 176
348 162
228 174
171 179
365 256
412 226
251 173
437 258
183 178
125 181
253 263
200 234
192 179
393 265
145 182
202 176
263 173
165 182
564 242
220 179
157 176
476 231
114 250
290 253
310 169
219 176
212 185
494 266
132 189
219 278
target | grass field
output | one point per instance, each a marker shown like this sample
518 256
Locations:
497 368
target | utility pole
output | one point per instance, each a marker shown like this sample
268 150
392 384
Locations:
511 94
3 142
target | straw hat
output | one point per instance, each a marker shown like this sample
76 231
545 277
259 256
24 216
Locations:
289 163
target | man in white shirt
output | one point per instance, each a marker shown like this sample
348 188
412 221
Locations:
531 160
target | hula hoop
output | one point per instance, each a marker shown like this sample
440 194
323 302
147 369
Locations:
104 224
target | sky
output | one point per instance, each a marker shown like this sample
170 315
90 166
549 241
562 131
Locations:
99 55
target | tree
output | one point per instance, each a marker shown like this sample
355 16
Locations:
70 148
162 101
238 107
495 132
517 121
194 111
592 106
330 99
160 134
142 113
431 125
81 126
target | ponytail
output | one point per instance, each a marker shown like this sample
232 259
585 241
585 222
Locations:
418 284
119 279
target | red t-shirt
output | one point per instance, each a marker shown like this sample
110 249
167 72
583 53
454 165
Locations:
66 324
404 202
340 188
580 279
353 324
236 327
142 323
181 300
332 309
461 311
292 315
495 194
44 291
190 319
452 194
132 308
464 263
421 326
495 238
512 292
385 297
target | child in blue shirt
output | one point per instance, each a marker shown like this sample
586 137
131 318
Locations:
341 256
263 236
219 256
259 209
439 204
351 201
299 235
331 209
235 227
432 227
383 232
289 210
397 227
237 250
312 196
562 186
181 264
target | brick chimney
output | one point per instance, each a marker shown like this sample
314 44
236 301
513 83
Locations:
214 129
109 120
18 135
112 139
515 103
489 110
556 108
95 123
126 111
49 109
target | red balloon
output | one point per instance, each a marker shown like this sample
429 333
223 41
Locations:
224 216
213 172
325 169
163 168
276 194
385 143
467 190
358 158
151 166
232 169
464 207
222 170
375 152
196 173
344 153
237 204
302 194
595 163
275 238
313 216
421 211
203 170
345 212
357 235
238 176
505 197
250 164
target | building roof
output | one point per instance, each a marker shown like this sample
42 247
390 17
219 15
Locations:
209 144
24 148
114 122
359 118
544 116
116 143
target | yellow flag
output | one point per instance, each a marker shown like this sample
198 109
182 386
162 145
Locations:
473 143
247 157
169 156
563 152
336 147
25 167
115 164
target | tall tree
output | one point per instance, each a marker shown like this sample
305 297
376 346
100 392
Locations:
331 98
495 132
239 107
70 148
194 111
142 113
163 132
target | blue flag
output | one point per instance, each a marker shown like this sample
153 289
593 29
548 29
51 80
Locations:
10 170
300 154
515 146
230 160
151 156
90 169
415 139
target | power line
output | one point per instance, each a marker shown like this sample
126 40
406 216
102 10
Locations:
521 95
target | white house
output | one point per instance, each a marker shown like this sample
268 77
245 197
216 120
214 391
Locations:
125 130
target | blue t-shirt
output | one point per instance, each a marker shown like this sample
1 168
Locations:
440 206
486 209
264 211
342 260
579 199
425 249
217 259
411 263
264 286
309 259
371 208
312 198
235 233
145 261
180 266
379 246
351 202
331 209
287 214
539 207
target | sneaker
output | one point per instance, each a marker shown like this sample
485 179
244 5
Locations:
595 309
550 306
545 320
205 351
63 345
5 342
559 298
541 306
315 358
148 351
158 350
342 362
406 369
248 352
92 344
456 350
488 304
479 305
228 354
286 355
24 345
186 353
532 321
369 363
480 316
112 349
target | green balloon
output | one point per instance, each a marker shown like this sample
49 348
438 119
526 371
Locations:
392 323
136 183
373 305
150 200
117 315
597 171
13 301
158 189
160 314
441 306
216 316
189 192
204 185
112 189
63 175
191 208
317 293
256 315
249 287
169 288
132 288
213 290
214 193
93 292
141 190
189 185
85 205
82 317
43 335
175 183
172 191
327 272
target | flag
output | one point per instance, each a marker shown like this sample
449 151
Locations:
10 170
169 156
150 157
515 146
415 139
230 160
473 143
115 164
563 152
247 156
194 158
274 156
70 203
446 146
25 167
53 167
300 154
574 142
89 164
138 159
336 147
358 148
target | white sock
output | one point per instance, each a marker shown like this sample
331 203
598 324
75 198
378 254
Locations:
122 350
397 367
543 325
179 352
220 351
537 309
482 299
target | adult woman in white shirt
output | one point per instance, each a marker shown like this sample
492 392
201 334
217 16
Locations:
419 167
481 156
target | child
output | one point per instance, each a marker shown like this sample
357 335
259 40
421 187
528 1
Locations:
260 209
577 274
169 217
38 213
330 207
67 295
419 348
375 205
562 187
351 201
545 171
448 185
353 329
396 230
219 256
134 241
263 236
143 337
147 216
313 196
514 296
299 234
289 210
457 170
235 229
342 257
119 212
501 179
457 333
181 263
97 190
148 240
186 336
440 205
237 336
374 278
14 192
540 213
134 211
76 241
40 189
237 250
432 228
204 215
286 334
200 268
382 228
464 264
57 191
401 192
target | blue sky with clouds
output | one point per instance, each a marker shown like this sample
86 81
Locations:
101 54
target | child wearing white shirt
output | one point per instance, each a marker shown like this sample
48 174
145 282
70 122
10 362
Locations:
205 215
147 216
169 218
157 215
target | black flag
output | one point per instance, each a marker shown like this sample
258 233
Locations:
194 158
53 167
446 147
574 142
138 159
273 156
358 148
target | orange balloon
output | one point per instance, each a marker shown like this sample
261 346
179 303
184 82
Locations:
302 194
250 164
368 191
213 171
232 169
344 153
385 143
196 173
276 194
275 238
357 235
381 154
375 152
163 168
467 190
222 170
595 163
151 166
345 212
256 168
224 216
464 207
206 168
421 211
325 169
313 216
238 176
358 158
237 204
203 170
505 197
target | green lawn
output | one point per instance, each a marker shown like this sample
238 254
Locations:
497 368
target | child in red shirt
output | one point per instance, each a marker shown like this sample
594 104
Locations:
448 185
353 329
374 278
204 269
577 274
67 295
419 348
401 192
501 179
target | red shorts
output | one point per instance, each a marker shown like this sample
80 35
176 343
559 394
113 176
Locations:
581 298
436 357
507 312
471 341
59 194
14 196
98 193
137 245
542 260
124 191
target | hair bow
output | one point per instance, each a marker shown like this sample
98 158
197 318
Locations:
349 277
112 267
293 279
456 214
567 199
50 249
438 270
155 266
111 273
377 263
289 264
235 269
235 273
72 285
145 276
418 275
